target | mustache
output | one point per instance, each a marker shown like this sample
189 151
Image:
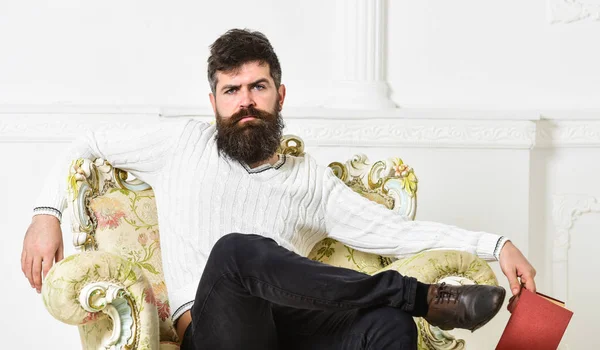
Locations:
250 111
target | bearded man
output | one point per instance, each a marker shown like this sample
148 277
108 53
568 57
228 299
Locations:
237 221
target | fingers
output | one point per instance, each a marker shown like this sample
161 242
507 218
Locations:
60 253
530 285
512 302
515 286
26 263
528 279
28 272
36 271
23 260
47 264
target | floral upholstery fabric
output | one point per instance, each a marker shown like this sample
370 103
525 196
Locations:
127 245
66 280
127 225
332 252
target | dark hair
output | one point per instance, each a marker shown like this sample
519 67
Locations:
237 47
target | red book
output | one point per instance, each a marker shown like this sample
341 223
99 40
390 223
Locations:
538 322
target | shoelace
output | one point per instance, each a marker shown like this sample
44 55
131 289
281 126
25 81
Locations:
445 294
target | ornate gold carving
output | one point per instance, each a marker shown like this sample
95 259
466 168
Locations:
94 296
377 167
292 145
88 180
389 182
116 302
136 322
339 170
120 176
72 178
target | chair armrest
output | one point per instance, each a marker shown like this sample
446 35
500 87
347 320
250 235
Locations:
453 267
437 265
83 287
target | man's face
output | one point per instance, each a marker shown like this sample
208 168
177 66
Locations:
247 104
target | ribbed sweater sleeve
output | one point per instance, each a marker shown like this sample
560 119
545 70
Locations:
141 151
370 227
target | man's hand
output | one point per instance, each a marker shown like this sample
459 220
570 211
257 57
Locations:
43 244
515 266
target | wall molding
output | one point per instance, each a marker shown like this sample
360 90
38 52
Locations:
402 127
60 128
358 114
565 212
289 112
67 109
416 133
372 132
569 11
558 133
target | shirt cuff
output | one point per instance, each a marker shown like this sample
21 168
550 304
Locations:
499 247
486 246
181 310
48 211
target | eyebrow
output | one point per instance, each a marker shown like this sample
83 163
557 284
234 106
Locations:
252 84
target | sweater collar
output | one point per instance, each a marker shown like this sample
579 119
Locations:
265 167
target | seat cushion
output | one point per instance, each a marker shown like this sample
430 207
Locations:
332 252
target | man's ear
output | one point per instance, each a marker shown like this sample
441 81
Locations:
281 91
213 102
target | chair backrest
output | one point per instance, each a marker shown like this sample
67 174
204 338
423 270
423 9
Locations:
388 182
117 215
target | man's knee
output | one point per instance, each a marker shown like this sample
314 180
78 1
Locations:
227 246
234 247
228 242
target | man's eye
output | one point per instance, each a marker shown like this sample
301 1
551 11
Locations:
230 91
259 87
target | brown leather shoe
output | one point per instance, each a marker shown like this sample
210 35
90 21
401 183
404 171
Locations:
469 307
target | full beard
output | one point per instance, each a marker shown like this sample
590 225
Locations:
253 141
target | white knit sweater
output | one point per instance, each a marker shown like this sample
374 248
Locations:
201 197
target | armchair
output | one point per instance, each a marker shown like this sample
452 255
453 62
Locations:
114 289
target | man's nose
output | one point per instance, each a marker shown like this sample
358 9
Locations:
246 99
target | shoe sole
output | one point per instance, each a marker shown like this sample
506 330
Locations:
483 323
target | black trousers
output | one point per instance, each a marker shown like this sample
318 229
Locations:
254 294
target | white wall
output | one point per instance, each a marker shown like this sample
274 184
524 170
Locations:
474 79
569 222
147 52
29 325
491 54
